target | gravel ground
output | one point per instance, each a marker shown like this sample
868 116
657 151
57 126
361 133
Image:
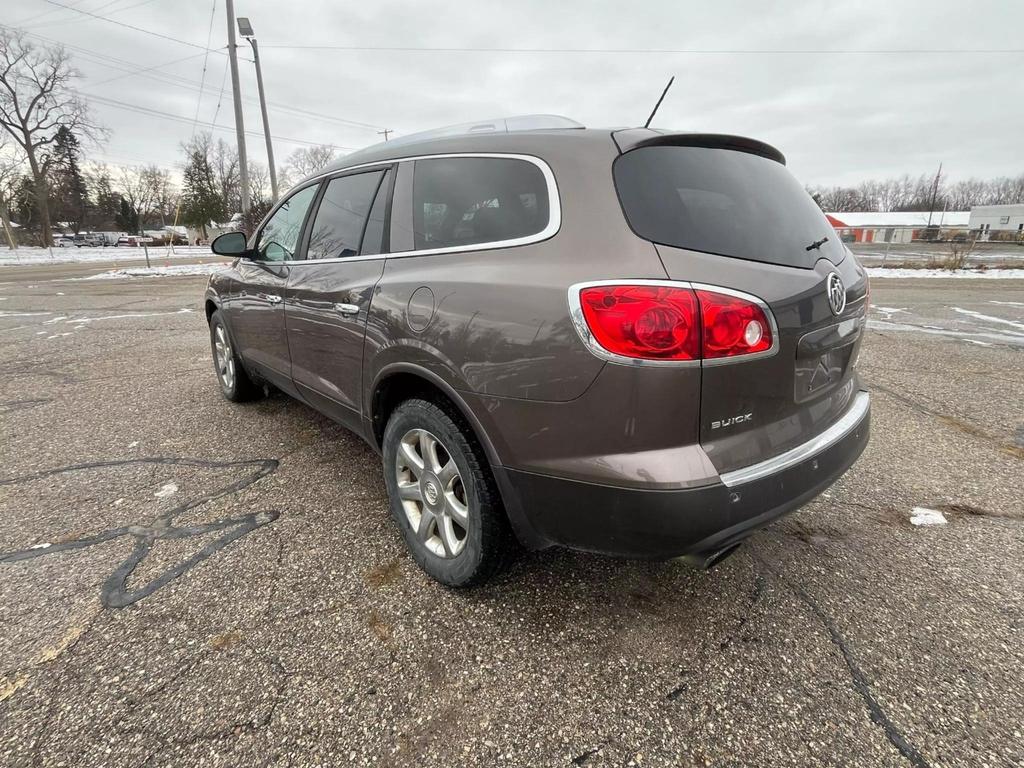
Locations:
188 582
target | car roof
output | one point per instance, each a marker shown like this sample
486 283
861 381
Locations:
516 135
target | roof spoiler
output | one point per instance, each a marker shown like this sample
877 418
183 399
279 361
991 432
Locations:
634 138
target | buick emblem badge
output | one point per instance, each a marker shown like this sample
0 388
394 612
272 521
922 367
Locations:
836 293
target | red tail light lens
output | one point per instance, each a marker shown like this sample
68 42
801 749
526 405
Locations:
643 321
664 322
732 326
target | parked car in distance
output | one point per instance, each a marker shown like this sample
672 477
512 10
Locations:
95 239
64 241
132 241
634 342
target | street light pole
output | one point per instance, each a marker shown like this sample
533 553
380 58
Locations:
239 123
245 27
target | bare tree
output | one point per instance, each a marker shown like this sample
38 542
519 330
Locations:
259 183
303 162
148 191
36 100
227 172
10 174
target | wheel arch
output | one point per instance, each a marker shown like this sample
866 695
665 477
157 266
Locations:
400 381
211 307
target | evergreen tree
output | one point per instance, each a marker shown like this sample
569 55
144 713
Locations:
69 196
201 202
107 202
127 218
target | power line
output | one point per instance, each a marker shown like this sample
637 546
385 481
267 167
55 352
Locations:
151 69
206 59
44 13
59 22
132 26
188 121
654 51
130 68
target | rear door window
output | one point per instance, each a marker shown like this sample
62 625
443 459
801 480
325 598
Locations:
341 219
466 201
725 202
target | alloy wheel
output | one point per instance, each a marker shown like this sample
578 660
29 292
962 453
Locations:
225 359
432 493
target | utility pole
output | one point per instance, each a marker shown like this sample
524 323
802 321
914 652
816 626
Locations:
935 192
385 133
245 27
239 123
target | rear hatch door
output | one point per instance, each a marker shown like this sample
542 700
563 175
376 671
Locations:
728 214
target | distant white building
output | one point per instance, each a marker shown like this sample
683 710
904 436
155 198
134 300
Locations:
997 218
893 226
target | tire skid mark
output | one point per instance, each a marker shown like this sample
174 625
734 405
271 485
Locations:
7 406
114 593
858 678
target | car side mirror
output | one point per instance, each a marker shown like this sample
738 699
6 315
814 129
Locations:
230 244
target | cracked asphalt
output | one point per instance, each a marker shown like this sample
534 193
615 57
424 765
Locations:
188 582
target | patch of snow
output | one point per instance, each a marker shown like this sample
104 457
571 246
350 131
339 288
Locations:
991 301
925 516
176 270
74 255
988 318
22 314
1000 338
168 489
961 274
83 320
133 444
889 311
45 545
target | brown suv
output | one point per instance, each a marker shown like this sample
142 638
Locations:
633 342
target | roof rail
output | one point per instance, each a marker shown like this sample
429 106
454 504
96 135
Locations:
497 125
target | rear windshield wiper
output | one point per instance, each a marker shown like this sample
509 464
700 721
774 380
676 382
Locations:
816 244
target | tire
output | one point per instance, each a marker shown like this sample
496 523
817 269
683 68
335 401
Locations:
235 383
456 530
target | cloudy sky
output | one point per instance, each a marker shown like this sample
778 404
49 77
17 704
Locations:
846 90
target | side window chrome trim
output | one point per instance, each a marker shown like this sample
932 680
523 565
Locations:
549 231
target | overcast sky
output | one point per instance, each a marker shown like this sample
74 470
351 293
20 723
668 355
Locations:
830 84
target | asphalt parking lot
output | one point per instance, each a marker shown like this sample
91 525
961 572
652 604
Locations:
188 582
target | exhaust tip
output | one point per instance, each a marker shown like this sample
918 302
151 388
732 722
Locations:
705 561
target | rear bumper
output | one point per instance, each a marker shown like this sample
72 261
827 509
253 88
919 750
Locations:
635 522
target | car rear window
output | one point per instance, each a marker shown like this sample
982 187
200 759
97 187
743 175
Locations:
464 201
725 202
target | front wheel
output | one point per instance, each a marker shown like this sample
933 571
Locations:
442 495
234 382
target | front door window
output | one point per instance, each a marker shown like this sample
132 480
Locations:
280 237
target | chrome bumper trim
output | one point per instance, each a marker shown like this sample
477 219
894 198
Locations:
814 446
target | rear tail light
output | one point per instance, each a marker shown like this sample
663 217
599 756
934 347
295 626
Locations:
648 322
662 322
732 325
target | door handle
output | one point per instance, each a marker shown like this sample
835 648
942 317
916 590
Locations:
273 298
347 310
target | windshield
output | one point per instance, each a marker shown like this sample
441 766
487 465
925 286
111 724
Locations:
725 202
